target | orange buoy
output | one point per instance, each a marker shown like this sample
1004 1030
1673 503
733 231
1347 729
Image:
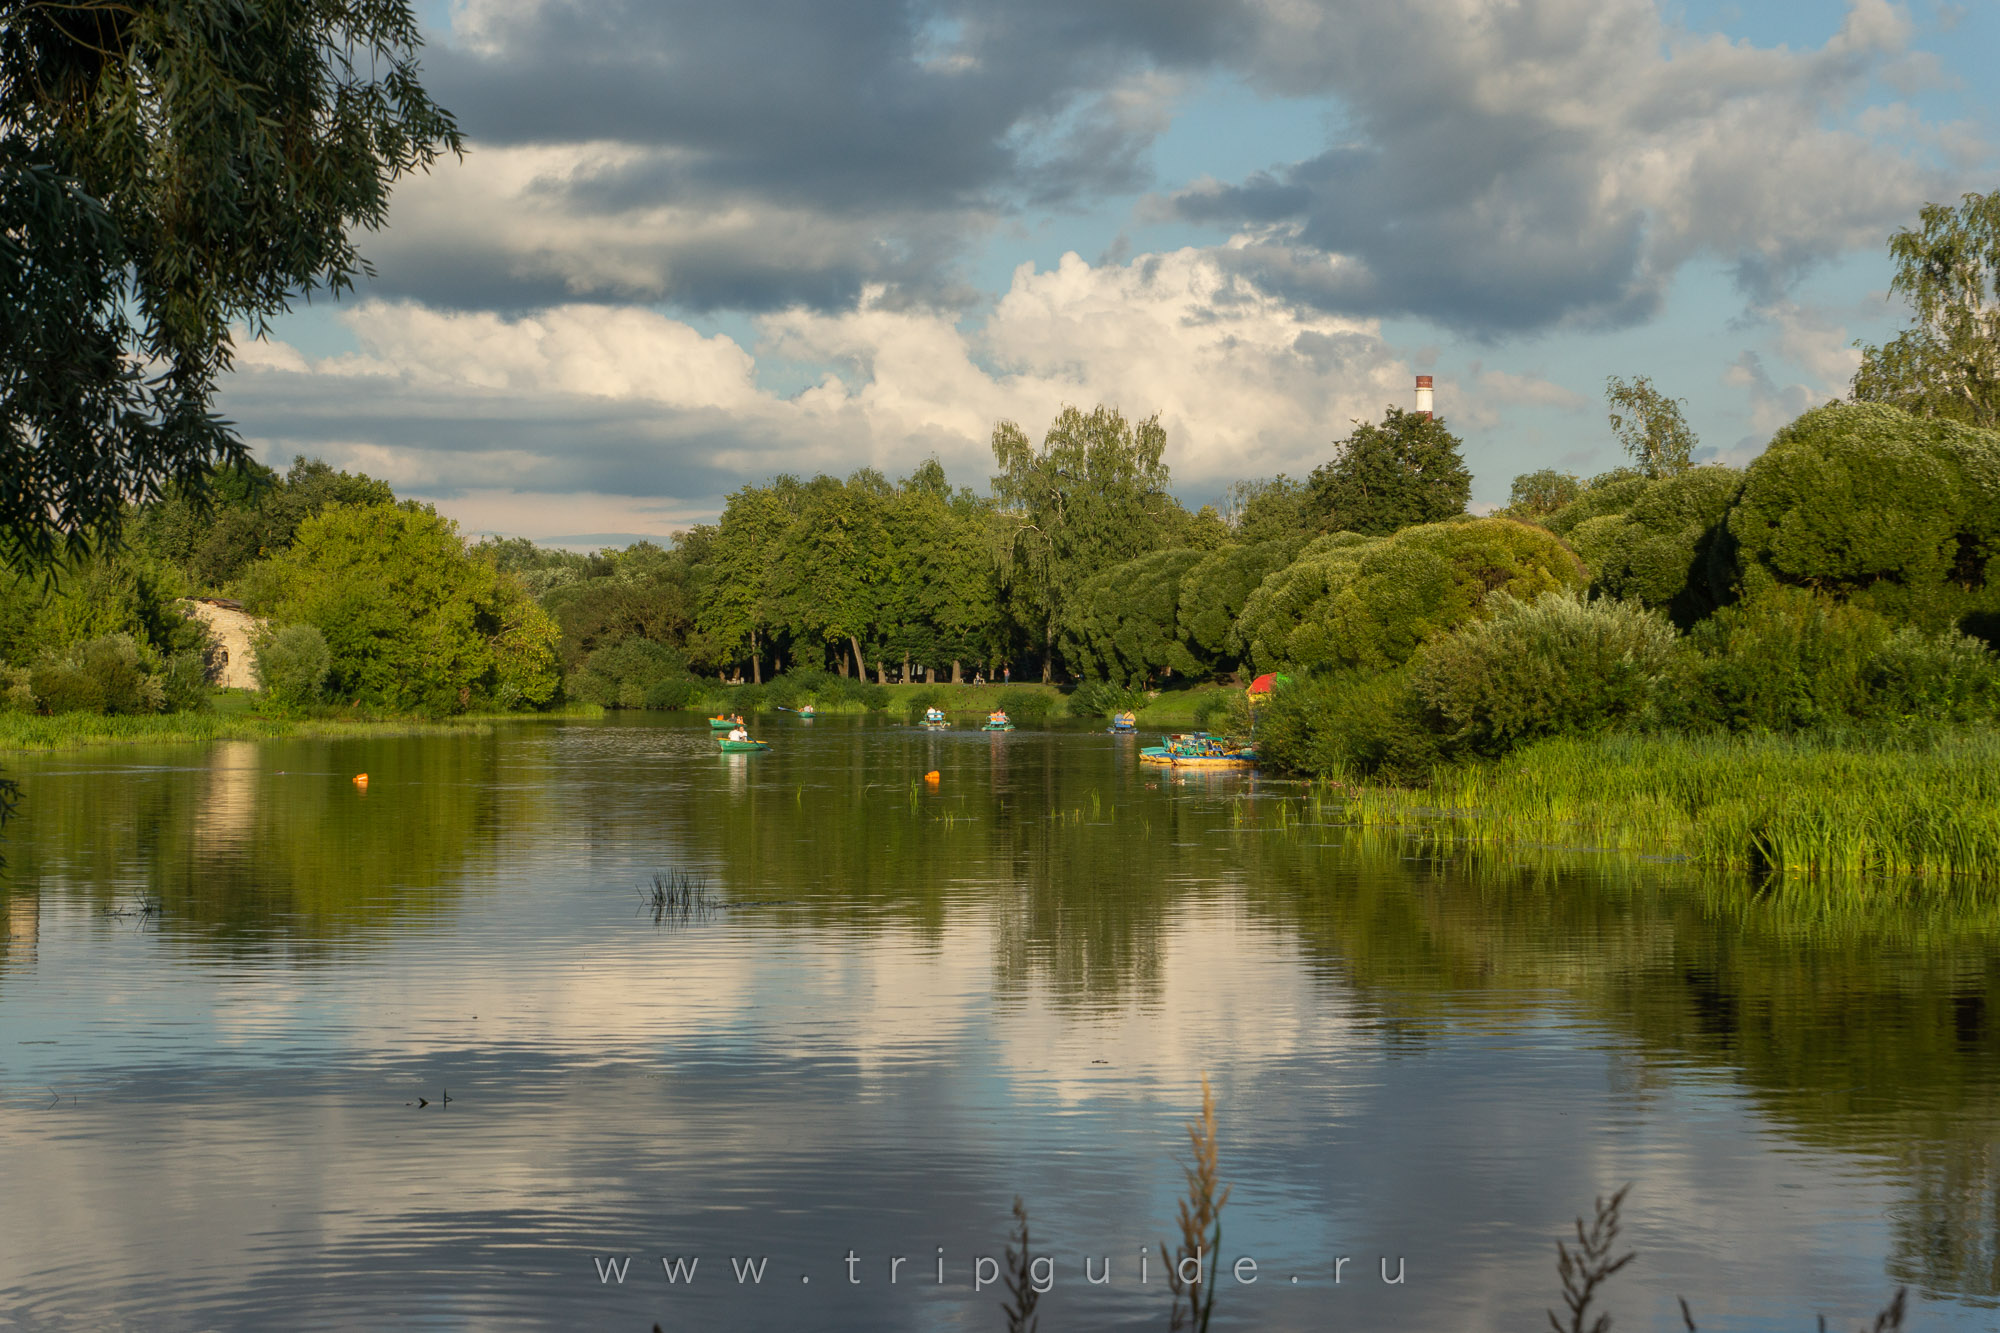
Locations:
361 781
931 777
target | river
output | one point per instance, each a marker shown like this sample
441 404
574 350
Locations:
236 990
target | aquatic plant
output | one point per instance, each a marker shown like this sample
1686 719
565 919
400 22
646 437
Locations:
676 895
1021 1316
1200 1225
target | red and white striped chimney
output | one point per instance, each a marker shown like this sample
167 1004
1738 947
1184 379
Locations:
1424 395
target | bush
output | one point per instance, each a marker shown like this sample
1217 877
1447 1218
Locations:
1946 677
102 675
1100 698
184 682
921 700
291 665
1026 703
682 692
1373 604
1897 513
1787 660
1663 550
1350 724
1558 665
625 674
16 694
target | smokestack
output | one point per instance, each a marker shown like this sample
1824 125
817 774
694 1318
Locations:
1424 394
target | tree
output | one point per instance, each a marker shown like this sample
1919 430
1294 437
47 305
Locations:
1650 426
1093 496
1947 364
1405 471
413 620
1536 495
168 170
1266 509
1896 513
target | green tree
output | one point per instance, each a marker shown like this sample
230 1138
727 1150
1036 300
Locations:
168 170
1947 364
1664 549
1266 509
1369 603
1650 426
1214 592
1536 495
1898 513
1121 626
1403 472
413 620
1092 496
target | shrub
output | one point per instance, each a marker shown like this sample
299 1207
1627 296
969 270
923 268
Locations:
16 694
1612 493
292 664
682 692
923 699
1558 665
1897 513
1100 698
184 682
102 675
1661 550
1372 605
1946 677
625 674
1026 703
1786 660
1350 724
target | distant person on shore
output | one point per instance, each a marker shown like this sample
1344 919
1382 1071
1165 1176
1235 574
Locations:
1008 673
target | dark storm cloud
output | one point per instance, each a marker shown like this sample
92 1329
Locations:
894 131
1506 168
1498 167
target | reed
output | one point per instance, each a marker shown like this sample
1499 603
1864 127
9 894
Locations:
677 896
1200 1226
1780 806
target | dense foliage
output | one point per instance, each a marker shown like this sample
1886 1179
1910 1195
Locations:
169 171
412 620
1404 471
1947 363
1839 584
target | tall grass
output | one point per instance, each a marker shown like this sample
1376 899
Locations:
69 731
1796 806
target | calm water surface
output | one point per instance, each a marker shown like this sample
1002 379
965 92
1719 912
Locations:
917 1005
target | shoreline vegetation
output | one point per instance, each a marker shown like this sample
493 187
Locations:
41 733
1794 807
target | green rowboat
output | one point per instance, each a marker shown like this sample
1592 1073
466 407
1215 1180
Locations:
742 747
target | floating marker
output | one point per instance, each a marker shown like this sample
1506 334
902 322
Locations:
931 777
361 781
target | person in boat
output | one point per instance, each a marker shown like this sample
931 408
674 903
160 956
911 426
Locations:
997 716
737 733
933 715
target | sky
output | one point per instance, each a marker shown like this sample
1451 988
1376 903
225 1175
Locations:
692 245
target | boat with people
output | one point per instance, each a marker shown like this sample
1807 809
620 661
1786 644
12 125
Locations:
1198 750
738 741
934 718
1125 721
721 723
997 720
807 711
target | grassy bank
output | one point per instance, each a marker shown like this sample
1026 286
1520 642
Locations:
232 721
1792 805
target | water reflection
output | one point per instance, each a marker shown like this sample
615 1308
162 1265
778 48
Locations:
925 1001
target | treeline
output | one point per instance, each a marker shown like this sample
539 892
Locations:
371 603
1841 583
1079 566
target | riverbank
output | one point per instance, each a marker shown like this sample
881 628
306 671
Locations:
232 721
1797 806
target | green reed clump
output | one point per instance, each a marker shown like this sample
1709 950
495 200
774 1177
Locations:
1800 805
